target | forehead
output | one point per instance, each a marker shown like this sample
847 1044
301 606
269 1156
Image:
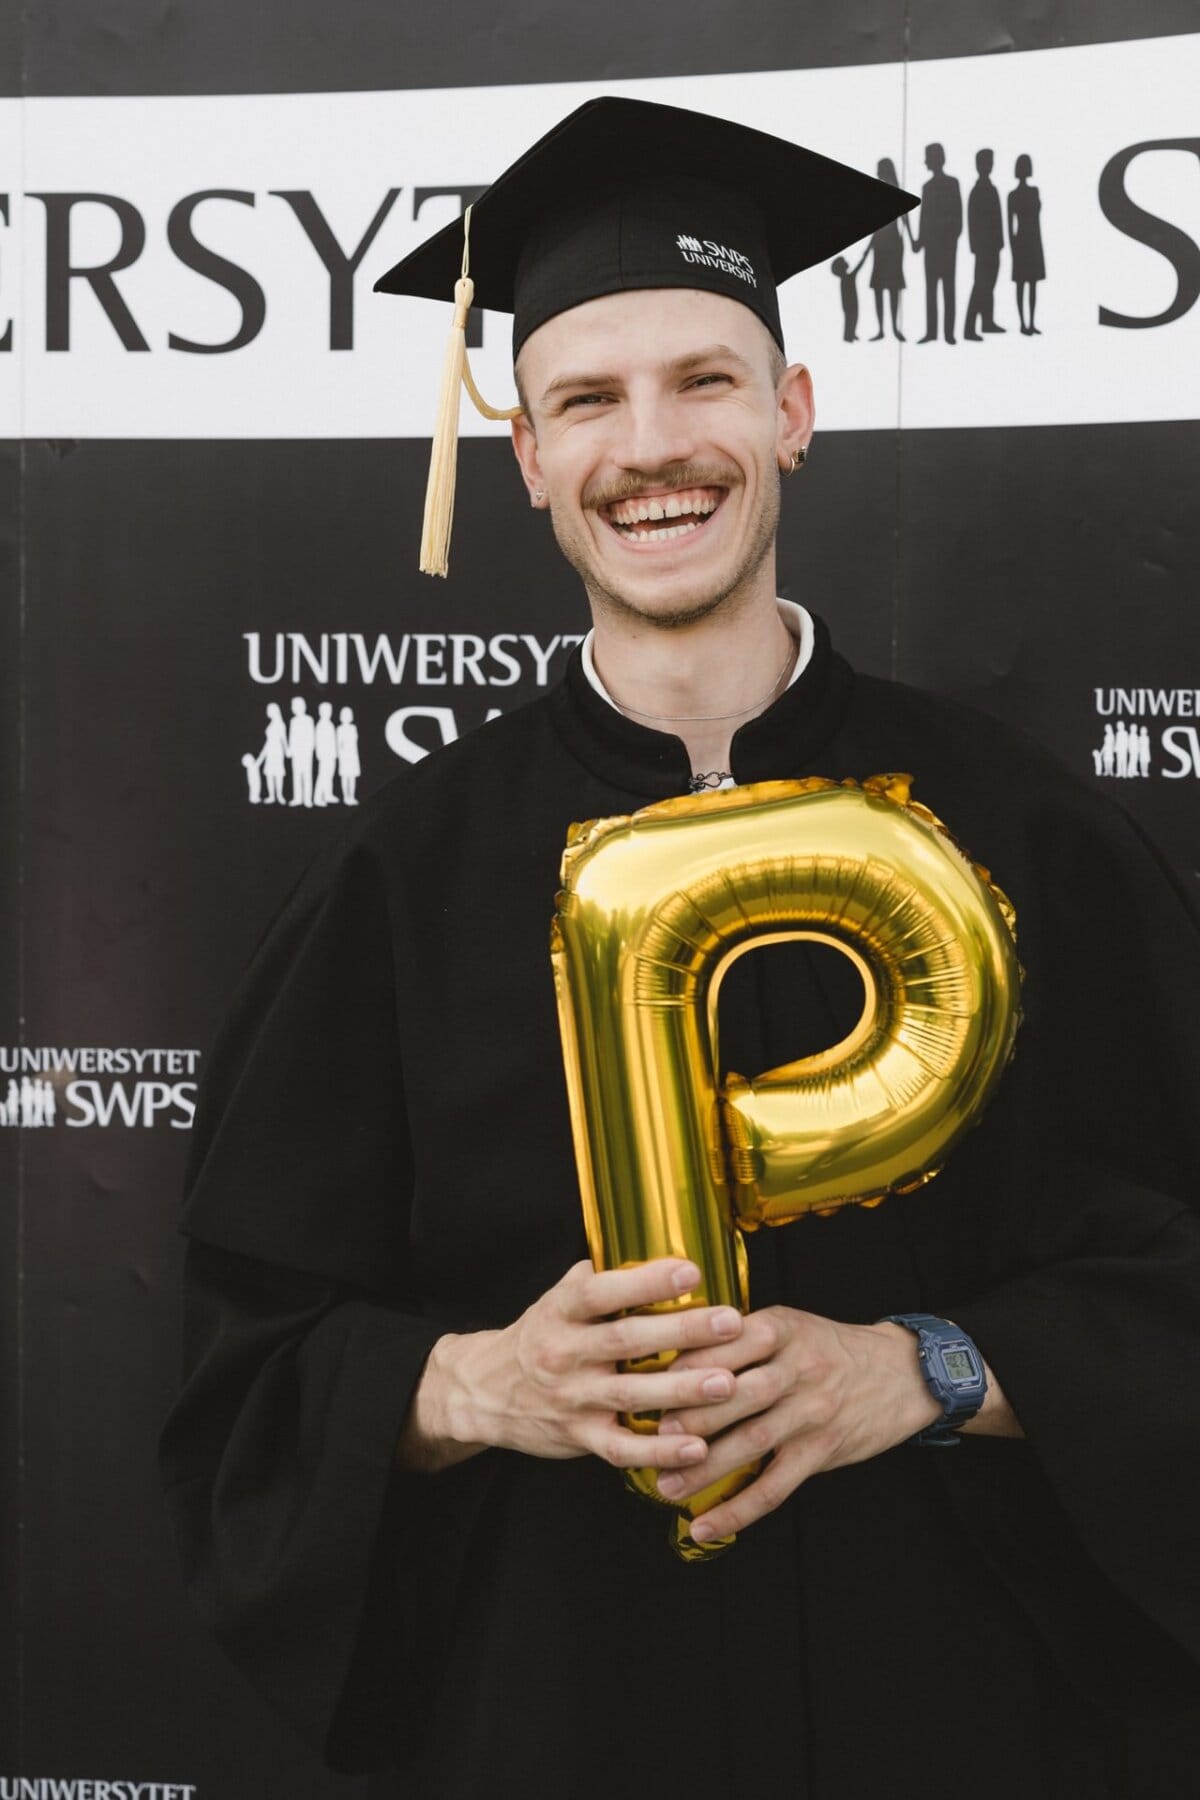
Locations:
637 328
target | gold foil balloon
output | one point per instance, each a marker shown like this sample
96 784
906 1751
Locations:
654 909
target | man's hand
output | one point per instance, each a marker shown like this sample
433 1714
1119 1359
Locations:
549 1383
813 1395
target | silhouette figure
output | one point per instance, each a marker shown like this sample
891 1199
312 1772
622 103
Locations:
31 1104
1144 750
887 254
1025 240
253 780
846 275
301 743
272 758
347 755
1108 751
985 235
941 228
326 756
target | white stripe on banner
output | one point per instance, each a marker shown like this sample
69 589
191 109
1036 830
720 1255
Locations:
223 301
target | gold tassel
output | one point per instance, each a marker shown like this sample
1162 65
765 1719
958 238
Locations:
443 458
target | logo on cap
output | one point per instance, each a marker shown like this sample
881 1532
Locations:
708 255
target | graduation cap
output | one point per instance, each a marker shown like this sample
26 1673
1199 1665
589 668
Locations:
628 194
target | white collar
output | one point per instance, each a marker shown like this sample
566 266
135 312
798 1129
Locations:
797 619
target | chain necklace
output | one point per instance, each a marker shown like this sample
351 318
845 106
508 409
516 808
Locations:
715 718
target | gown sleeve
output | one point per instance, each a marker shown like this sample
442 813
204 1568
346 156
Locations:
1092 1324
304 1339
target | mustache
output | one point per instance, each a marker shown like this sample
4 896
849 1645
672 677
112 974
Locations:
671 477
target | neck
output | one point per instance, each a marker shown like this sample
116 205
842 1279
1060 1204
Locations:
701 680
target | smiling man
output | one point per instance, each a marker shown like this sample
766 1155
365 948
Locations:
968 1562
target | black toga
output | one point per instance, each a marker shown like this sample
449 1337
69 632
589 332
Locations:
383 1153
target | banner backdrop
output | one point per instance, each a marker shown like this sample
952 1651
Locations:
211 480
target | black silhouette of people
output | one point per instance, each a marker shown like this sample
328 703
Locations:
985 235
940 227
1025 237
846 275
887 253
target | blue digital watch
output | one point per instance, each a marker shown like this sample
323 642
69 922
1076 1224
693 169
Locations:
953 1371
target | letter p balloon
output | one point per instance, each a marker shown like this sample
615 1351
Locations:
675 1159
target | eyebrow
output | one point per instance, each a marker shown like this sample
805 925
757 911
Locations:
680 366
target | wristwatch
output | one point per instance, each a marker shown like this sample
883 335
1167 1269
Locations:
953 1371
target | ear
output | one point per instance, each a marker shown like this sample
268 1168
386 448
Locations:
525 449
796 413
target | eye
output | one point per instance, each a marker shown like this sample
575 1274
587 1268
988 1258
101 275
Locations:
701 379
582 400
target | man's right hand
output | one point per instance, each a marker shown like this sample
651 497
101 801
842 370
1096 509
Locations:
550 1385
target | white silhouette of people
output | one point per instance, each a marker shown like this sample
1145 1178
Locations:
302 737
347 755
1122 748
253 780
12 1105
1109 750
326 739
272 758
47 1107
1098 759
1143 750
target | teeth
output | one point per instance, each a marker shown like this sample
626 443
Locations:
667 531
674 506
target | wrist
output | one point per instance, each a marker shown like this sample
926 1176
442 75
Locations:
458 1391
440 1427
915 1408
952 1368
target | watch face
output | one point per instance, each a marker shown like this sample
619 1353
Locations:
960 1365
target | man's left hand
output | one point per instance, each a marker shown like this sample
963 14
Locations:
812 1394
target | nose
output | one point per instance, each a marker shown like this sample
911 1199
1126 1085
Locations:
658 430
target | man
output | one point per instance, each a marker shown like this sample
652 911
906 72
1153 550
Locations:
940 230
985 235
302 739
392 1469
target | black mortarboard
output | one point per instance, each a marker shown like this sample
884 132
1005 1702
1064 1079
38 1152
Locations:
629 194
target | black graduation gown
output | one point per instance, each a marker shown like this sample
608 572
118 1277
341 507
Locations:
382 1153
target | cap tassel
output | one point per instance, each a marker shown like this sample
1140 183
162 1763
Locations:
443 458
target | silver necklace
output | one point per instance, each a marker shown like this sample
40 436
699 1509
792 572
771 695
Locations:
715 718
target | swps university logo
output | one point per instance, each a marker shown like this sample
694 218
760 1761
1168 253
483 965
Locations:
1128 748
310 747
45 1085
709 255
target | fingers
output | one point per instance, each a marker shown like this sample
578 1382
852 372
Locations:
635 1393
762 1335
705 1330
743 1444
587 1294
781 1477
633 1450
756 1389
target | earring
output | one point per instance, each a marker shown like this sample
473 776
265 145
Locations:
540 494
799 458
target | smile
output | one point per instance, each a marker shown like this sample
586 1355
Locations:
657 518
